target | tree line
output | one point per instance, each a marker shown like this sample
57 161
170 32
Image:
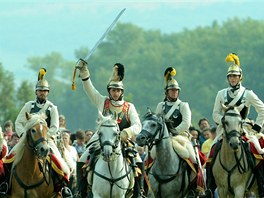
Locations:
198 55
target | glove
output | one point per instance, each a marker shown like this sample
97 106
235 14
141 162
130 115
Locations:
82 66
256 127
124 136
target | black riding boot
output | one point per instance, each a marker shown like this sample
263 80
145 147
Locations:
139 182
81 181
210 181
3 188
66 192
260 180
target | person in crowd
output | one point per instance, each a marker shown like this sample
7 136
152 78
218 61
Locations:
72 138
62 122
128 119
8 127
3 153
88 135
195 135
142 153
203 123
177 113
14 140
242 98
75 157
209 134
43 106
79 143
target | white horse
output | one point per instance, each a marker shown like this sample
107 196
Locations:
168 177
231 169
113 177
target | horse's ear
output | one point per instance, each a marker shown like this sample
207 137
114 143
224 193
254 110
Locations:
149 110
28 116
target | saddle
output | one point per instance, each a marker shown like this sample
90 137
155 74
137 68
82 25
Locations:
52 163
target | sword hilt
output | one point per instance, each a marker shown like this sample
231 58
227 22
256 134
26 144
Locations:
73 79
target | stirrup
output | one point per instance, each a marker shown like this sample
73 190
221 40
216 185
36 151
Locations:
207 194
66 192
3 188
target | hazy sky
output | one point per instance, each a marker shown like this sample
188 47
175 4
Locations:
36 28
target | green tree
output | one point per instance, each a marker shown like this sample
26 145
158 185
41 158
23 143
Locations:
7 91
25 93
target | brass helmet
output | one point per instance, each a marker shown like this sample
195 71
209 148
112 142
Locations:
42 84
116 79
234 68
170 82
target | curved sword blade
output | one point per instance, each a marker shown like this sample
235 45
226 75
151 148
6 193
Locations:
104 35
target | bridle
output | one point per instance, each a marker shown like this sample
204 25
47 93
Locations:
232 133
151 137
42 162
240 160
114 146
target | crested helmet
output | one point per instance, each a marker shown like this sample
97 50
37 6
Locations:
234 68
170 82
42 83
115 80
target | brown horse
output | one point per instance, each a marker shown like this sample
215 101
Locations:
31 173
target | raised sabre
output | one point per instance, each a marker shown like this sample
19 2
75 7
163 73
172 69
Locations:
95 46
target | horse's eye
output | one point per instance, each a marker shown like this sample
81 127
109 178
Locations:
153 125
33 131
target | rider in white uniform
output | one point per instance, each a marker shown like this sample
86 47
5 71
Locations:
243 98
128 119
43 105
177 113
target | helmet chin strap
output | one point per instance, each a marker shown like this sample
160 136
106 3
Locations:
234 88
171 99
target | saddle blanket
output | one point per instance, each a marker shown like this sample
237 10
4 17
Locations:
51 158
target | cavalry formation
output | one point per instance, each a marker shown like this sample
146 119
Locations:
113 175
110 167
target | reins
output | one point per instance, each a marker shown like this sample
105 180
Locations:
43 166
240 162
117 143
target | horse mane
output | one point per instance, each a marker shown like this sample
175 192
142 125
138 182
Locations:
152 114
20 146
105 119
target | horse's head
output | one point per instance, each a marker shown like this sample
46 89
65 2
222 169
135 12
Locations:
151 126
37 129
232 124
109 136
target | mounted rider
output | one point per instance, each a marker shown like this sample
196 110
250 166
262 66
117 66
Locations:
128 119
177 113
242 98
43 106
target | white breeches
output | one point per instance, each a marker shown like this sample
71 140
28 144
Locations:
56 152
